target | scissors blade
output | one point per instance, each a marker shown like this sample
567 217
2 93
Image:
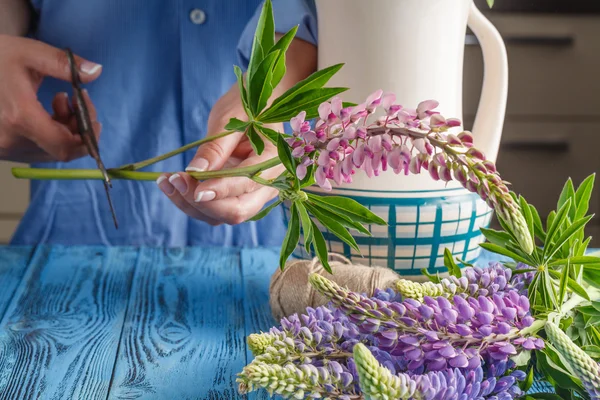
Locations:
86 130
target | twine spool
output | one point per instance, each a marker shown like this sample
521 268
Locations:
290 292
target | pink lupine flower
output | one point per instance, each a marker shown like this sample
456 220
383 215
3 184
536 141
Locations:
386 142
349 133
437 121
374 100
452 122
321 178
301 168
361 133
445 174
475 153
434 172
466 138
298 123
324 111
453 140
425 108
358 156
298 152
323 159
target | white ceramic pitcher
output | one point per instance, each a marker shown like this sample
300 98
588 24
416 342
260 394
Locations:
414 48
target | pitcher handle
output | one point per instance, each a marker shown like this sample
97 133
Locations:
487 128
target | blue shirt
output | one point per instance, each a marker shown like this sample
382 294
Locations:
161 75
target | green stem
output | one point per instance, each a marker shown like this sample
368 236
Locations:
250 171
154 160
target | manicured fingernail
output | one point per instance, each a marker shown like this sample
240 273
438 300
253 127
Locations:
179 183
65 95
164 185
89 68
197 165
206 195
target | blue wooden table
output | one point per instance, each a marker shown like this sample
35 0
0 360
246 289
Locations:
129 323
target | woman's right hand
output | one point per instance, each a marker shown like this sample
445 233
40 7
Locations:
28 133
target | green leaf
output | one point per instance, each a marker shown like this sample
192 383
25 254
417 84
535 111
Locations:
551 368
236 125
243 94
496 237
255 140
557 222
537 223
571 283
433 278
320 247
592 350
593 321
334 227
583 195
494 248
348 207
526 211
285 155
291 237
490 3
305 219
592 277
541 396
342 219
551 300
567 193
308 101
528 382
265 28
264 37
268 133
265 211
260 88
562 286
569 232
577 260
315 81
590 311
282 45
453 268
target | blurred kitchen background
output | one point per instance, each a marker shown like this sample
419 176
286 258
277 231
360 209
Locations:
553 113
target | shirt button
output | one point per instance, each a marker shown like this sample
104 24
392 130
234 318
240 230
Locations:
197 16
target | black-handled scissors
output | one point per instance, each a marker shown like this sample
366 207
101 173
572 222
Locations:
86 129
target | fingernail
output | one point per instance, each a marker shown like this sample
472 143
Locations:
197 165
179 183
90 68
164 185
206 195
65 95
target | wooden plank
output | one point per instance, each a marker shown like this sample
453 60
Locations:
59 337
258 266
184 333
13 263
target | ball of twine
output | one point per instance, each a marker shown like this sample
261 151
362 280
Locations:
290 292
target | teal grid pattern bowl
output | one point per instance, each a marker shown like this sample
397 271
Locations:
418 231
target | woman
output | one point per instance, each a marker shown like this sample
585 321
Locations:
160 75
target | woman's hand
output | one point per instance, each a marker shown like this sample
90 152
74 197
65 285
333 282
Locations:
27 132
234 200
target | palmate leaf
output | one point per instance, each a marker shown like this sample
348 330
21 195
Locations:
285 155
308 101
236 125
569 232
342 219
305 219
568 192
571 283
334 227
554 224
494 248
271 135
348 207
500 238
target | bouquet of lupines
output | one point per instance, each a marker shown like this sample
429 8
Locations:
387 346
475 334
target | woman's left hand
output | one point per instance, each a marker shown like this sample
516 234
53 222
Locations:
223 200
